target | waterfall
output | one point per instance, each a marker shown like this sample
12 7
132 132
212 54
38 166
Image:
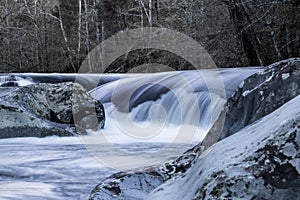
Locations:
150 119
193 98
12 80
142 105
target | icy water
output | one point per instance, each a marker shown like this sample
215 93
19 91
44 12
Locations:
47 168
70 167
62 168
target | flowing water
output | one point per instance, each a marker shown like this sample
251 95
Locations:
151 118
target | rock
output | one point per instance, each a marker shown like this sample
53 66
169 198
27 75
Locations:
49 109
139 184
127 186
17 122
261 94
261 161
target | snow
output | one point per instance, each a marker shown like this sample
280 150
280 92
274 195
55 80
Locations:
285 76
246 93
231 150
242 85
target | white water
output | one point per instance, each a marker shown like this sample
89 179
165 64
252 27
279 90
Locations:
62 168
192 98
166 115
15 79
47 168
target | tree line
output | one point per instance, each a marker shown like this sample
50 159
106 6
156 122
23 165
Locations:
57 35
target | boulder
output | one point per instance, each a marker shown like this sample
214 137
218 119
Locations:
17 122
139 184
48 109
261 94
261 161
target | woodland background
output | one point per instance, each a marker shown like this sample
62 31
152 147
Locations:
57 35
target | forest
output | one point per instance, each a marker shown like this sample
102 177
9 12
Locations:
57 35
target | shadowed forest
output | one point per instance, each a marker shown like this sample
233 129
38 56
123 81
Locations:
57 35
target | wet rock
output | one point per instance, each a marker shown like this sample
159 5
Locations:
261 94
261 161
49 109
268 171
139 184
16 122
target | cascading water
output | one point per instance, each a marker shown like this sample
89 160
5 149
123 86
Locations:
146 114
12 80
171 98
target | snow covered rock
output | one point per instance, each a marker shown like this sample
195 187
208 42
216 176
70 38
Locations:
261 161
138 184
261 94
48 109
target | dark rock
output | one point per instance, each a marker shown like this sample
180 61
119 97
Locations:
139 184
49 109
18 122
261 94
9 84
259 162
268 171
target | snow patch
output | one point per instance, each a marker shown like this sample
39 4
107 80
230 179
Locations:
246 93
242 84
285 76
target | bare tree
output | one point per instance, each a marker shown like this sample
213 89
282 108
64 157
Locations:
79 29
